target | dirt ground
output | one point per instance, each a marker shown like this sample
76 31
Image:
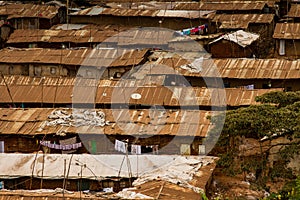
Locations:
227 187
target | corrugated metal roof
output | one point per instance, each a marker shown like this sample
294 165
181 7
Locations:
287 31
108 57
58 90
235 21
97 10
234 25
111 27
249 5
239 37
152 5
270 3
28 10
187 6
29 122
236 68
294 11
258 68
52 36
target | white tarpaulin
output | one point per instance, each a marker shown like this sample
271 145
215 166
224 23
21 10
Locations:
96 166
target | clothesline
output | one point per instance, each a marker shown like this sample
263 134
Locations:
135 149
195 30
61 146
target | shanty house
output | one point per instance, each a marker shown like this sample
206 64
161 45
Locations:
32 16
235 72
172 19
168 137
287 37
57 92
294 12
66 62
262 24
104 174
261 73
236 7
234 45
90 38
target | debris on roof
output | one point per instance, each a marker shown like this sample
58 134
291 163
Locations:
239 37
134 122
77 118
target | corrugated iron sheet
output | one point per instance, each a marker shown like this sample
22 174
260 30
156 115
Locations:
56 90
97 10
236 68
52 36
234 25
19 121
270 3
187 6
108 57
287 31
235 21
249 5
152 5
28 10
294 11
258 68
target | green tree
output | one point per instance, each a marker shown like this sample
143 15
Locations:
277 115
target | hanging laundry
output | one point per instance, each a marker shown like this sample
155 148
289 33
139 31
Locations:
1 146
61 146
120 146
194 30
203 29
155 149
136 149
67 145
249 87
186 31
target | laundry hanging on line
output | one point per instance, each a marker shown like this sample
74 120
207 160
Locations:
61 146
195 30
136 149
120 146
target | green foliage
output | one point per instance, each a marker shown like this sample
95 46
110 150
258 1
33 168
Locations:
281 98
278 115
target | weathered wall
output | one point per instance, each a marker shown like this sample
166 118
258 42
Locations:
292 48
227 49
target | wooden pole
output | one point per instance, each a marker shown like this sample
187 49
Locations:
64 182
43 166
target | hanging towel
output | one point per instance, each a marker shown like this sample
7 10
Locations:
136 149
186 31
120 146
194 30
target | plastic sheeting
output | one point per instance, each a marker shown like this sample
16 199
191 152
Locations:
147 167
